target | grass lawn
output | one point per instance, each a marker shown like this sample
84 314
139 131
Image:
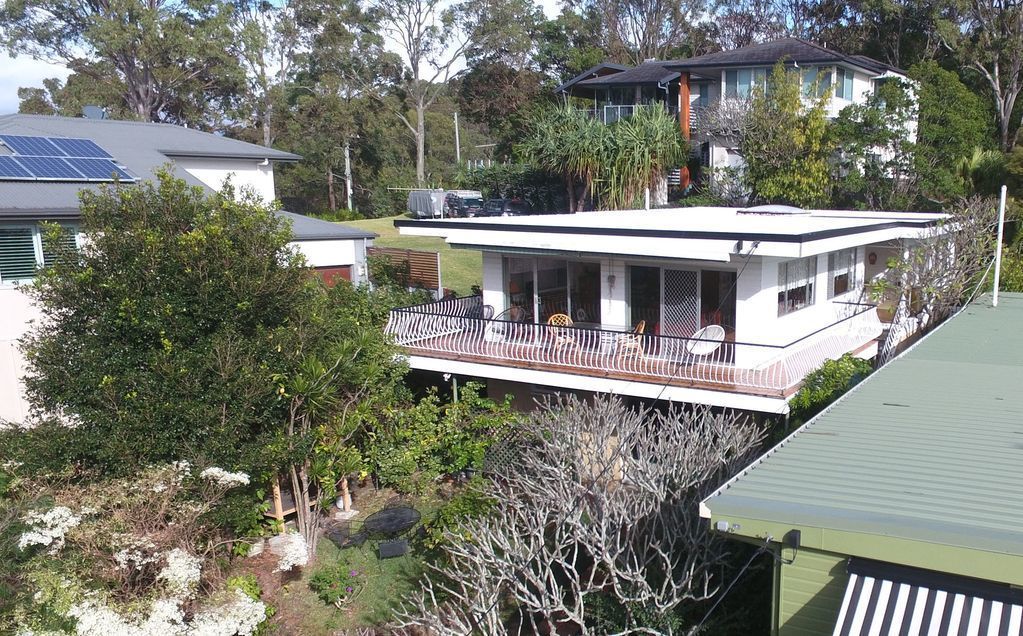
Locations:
460 269
383 583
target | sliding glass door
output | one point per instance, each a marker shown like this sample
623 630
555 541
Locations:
543 287
551 287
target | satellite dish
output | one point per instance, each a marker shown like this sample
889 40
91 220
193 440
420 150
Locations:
94 112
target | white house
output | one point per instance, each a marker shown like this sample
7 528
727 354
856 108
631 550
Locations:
693 87
735 306
45 162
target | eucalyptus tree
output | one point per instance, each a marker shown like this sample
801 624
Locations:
988 40
168 60
269 40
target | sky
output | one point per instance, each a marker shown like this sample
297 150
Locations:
24 71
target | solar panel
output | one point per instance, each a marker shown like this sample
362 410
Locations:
49 168
37 146
80 147
98 169
11 169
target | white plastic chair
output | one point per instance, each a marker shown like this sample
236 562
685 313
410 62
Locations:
704 342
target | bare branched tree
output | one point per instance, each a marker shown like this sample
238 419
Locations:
938 272
642 29
597 499
268 38
746 22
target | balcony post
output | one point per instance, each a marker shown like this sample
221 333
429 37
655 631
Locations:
683 120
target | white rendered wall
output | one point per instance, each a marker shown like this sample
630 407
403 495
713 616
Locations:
15 318
493 282
335 253
245 174
614 282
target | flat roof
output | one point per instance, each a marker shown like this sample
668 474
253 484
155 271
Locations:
928 449
708 233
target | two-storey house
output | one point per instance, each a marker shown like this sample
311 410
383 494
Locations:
724 80
46 162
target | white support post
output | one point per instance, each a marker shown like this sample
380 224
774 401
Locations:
998 248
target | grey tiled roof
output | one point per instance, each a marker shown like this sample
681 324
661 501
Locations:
789 49
652 72
140 146
591 72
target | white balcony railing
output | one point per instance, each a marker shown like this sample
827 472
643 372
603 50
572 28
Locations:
610 113
457 329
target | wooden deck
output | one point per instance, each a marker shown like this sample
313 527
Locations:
586 362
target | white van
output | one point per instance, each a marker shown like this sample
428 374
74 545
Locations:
426 204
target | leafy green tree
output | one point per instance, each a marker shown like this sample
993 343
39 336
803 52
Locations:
69 97
877 151
346 375
642 149
167 60
568 45
952 122
785 146
164 333
985 38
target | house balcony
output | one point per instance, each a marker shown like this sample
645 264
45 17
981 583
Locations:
460 330
610 113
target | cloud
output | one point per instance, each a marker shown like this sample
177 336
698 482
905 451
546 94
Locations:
23 71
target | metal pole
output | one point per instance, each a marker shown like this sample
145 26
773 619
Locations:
998 247
646 198
348 176
458 146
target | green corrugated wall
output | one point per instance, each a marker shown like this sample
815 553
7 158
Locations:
810 591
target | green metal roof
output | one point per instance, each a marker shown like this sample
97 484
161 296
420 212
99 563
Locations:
928 449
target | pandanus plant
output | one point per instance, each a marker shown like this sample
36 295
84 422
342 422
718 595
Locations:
643 147
564 140
613 164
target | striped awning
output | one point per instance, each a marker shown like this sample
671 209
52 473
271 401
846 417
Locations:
882 599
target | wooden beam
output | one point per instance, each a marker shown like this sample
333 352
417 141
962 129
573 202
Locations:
683 120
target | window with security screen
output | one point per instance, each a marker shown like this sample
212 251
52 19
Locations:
796 284
841 272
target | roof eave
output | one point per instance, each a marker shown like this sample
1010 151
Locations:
276 156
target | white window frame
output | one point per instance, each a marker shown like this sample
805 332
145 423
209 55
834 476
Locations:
848 265
790 281
37 247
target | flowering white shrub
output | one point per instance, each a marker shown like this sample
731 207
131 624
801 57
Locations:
238 615
48 528
293 552
137 552
225 478
181 573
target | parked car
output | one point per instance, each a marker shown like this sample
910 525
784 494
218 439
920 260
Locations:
463 203
505 207
426 204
